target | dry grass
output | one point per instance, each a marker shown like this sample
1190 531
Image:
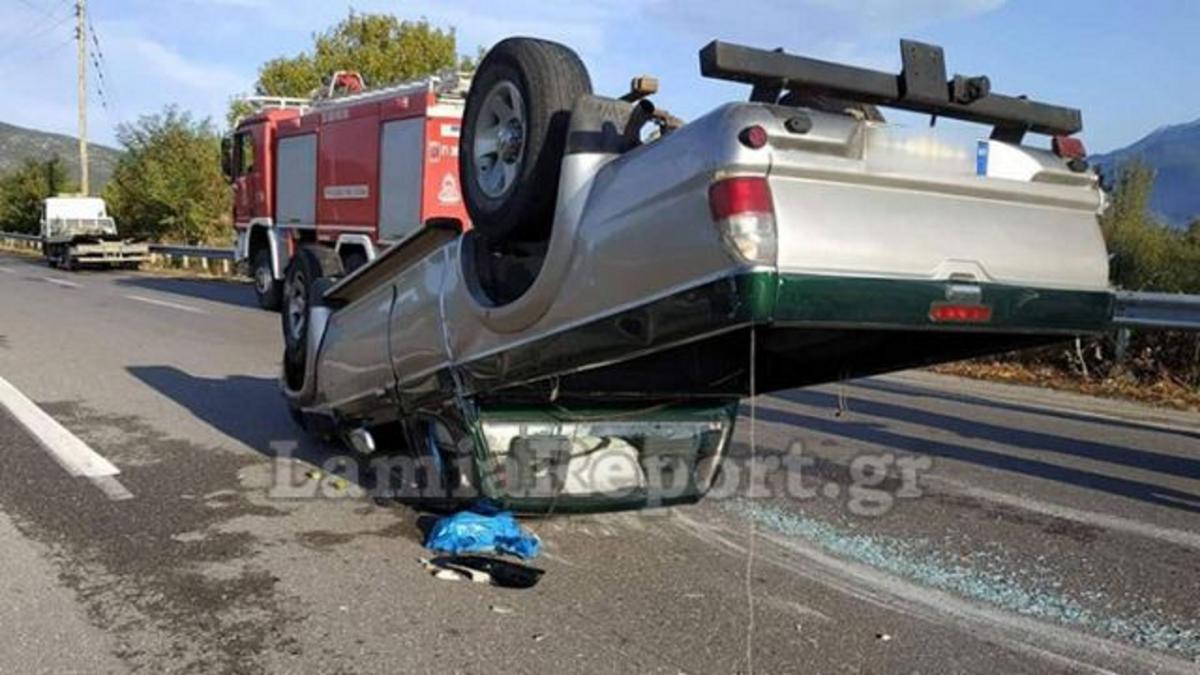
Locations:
1164 392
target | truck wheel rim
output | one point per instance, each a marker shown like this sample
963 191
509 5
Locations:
263 279
499 145
297 306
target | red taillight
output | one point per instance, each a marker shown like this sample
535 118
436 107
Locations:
942 312
742 211
733 196
1068 147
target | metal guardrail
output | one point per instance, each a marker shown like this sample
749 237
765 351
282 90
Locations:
185 255
20 237
1133 309
1157 310
180 251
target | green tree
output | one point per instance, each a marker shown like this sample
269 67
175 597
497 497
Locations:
1192 233
383 48
23 189
1146 254
168 186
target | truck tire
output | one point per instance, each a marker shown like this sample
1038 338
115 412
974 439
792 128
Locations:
354 259
302 288
513 136
267 288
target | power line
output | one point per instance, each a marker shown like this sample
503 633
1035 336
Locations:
37 55
101 67
35 33
46 13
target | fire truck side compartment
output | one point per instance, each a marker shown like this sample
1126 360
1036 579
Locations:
400 178
382 168
296 186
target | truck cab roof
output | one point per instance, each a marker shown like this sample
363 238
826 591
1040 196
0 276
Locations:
75 207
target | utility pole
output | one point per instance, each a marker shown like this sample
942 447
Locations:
81 41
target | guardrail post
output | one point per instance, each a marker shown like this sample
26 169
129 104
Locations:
224 268
1122 345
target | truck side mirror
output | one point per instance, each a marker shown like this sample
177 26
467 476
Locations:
227 157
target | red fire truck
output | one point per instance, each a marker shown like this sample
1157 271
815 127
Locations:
351 169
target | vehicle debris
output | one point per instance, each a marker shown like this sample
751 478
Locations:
446 569
482 530
498 572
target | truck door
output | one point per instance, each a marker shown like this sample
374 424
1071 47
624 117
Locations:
249 196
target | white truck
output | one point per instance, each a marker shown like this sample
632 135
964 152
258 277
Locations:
78 231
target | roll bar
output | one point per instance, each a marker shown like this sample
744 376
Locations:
922 86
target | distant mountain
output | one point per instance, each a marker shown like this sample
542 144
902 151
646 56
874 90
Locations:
18 143
1173 153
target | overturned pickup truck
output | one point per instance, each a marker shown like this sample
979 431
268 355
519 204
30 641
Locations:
626 279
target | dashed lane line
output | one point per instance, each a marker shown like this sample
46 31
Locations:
76 457
62 282
1101 520
165 303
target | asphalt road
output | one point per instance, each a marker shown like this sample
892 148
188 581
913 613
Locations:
910 523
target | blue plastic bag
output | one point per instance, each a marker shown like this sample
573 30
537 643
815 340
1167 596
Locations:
487 532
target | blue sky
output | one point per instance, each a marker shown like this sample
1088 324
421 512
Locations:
1131 66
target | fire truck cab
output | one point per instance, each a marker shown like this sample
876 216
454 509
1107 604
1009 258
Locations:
350 169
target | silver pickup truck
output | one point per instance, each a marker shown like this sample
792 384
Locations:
627 278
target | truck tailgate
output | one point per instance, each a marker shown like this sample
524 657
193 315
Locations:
869 200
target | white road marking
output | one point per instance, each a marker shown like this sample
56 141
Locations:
75 456
1063 647
112 488
8 270
62 282
165 303
1101 520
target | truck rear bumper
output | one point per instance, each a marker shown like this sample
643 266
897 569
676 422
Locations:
109 253
809 329
854 302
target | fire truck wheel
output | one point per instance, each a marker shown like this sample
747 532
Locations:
353 260
266 286
514 132
301 290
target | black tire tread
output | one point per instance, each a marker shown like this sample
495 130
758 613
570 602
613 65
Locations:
556 76
270 300
317 262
